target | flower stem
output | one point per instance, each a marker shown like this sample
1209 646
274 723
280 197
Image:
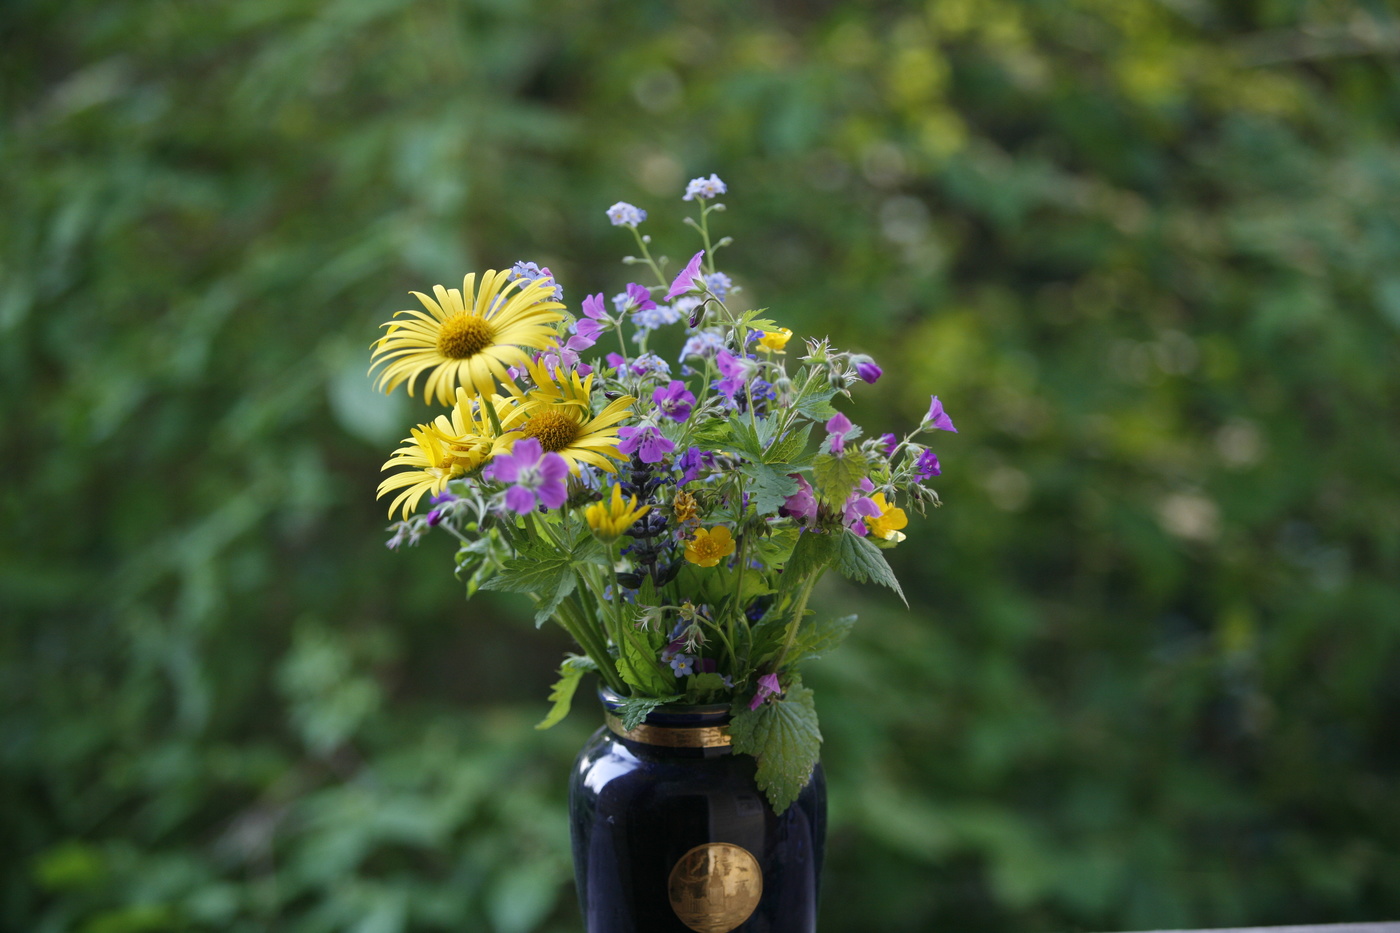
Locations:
799 610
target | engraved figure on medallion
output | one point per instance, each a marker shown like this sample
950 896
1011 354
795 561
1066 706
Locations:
715 887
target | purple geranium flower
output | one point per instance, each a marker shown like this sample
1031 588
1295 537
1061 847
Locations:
675 401
735 372
646 442
927 466
636 298
536 477
689 464
888 443
767 686
869 370
689 279
938 418
616 360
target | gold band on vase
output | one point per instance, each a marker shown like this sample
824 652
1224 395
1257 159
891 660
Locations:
672 736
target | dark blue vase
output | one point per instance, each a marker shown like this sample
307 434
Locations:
671 833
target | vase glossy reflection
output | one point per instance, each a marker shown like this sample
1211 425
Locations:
670 832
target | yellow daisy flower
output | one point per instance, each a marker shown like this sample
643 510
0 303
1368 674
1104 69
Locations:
558 414
610 520
886 525
709 546
773 341
468 342
446 449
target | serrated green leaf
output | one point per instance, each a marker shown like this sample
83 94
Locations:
835 478
790 447
818 637
857 559
538 569
816 405
562 696
784 738
768 485
634 709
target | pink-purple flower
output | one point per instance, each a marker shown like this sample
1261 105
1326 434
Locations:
859 507
675 401
836 430
767 686
801 505
649 444
869 370
689 279
536 477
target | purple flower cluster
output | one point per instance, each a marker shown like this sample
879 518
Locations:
623 214
530 272
704 188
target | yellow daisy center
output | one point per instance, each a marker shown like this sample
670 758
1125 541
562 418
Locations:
555 430
464 335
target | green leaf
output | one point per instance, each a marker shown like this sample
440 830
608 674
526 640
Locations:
837 477
546 606
817 405
562 696
700 687
538 569
634 709
789 448
857 559
638 666
769 486
782 735
820 636
812 553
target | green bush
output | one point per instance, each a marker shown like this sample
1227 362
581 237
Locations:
1146 253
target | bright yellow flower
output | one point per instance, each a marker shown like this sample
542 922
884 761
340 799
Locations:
886 525
773 341
559 415
446 449
468 342
610 520
709 546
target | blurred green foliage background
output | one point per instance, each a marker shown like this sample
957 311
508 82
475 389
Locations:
1146 251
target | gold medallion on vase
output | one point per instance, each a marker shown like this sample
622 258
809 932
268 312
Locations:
715 887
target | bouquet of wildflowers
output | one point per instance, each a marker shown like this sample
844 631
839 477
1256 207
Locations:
672 515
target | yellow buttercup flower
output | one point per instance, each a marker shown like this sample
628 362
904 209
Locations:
467 338
558 414
610 520
446 449
774 341
709 546
886 525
